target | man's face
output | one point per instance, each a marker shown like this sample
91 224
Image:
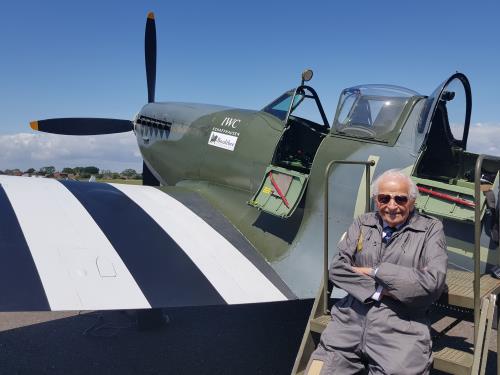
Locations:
393 202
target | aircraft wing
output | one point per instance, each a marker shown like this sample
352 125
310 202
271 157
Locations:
69 245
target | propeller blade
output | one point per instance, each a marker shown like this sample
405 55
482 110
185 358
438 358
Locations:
82 126
150 55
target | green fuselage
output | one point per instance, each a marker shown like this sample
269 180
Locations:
222 154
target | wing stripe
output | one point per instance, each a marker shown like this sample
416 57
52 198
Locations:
234 276
164 273
223 226
20 284
78 267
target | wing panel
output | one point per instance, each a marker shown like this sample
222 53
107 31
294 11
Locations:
67 247
230 272
165 274
221 224
93 246
20 284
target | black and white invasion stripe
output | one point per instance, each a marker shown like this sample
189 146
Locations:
92 246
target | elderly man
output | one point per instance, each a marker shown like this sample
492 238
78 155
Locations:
392 263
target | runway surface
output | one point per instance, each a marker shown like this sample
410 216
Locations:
263 339
257 339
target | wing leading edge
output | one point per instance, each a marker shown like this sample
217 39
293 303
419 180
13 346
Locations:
68 245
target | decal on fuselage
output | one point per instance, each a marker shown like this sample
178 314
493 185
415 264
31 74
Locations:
225 141
224 136
230 122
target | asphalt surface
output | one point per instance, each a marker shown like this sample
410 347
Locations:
261 339
250 339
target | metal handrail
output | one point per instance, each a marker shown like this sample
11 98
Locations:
367 165
477 237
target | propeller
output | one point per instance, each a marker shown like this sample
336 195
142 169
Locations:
82 126
150 59
150 55
97 126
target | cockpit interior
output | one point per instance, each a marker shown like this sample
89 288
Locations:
301 136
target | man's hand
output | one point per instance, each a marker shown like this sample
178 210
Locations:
368 271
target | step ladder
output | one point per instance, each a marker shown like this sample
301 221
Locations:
447 359
460 362
460 294
465 290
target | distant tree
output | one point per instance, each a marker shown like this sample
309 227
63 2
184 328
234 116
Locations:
106 173
68 170
30 170
91 170
47 170
129 173
13 172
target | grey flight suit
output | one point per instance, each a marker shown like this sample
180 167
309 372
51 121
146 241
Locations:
392 335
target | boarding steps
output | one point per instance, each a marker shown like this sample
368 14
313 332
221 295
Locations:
450 360
459 296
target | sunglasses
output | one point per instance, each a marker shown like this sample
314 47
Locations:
386 198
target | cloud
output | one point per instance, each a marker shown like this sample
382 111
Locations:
25 150
119 151
484 138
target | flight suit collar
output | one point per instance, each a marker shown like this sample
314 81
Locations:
415 222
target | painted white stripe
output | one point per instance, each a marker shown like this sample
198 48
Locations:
78 267
236 278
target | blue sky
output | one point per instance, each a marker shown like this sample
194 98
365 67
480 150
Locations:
62 59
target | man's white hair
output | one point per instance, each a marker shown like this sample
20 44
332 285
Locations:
412 190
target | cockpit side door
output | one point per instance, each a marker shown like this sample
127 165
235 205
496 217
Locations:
285 179
438 103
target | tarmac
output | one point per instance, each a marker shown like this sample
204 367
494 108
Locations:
245 339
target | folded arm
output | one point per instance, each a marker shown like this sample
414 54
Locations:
342 272
415 287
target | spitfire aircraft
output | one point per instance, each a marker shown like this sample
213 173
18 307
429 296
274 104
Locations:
233 213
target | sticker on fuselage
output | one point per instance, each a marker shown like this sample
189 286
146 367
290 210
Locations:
228 126
225 141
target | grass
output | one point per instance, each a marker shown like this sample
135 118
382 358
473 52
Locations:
119 181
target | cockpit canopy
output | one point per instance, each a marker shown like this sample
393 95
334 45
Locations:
371 111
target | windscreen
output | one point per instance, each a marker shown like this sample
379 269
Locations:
370 111
280 106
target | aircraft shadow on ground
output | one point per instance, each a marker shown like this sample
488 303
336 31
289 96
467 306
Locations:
245 339
256 339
